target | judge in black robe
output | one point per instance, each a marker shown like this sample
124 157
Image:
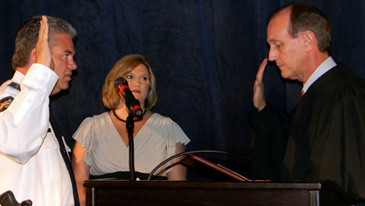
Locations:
323 137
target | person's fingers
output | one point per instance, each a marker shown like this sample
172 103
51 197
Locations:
259 100
41 30
256 86
43 53
45 28
260 72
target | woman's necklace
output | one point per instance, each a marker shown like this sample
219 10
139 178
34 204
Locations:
120 119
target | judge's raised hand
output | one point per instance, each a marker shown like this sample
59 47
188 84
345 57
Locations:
43 51
259 99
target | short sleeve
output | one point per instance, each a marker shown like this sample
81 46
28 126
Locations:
175 134
85 136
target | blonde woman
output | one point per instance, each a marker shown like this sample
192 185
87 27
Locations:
101 148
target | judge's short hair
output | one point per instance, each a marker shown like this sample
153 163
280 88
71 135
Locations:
305 17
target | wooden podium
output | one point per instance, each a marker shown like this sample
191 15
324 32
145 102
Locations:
121 192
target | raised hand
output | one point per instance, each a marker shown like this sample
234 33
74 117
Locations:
43 51
259 99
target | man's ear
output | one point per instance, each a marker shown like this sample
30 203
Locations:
309 40
32 56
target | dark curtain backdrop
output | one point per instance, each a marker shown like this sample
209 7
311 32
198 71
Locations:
204 53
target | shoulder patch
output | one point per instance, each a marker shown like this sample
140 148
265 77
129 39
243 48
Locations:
14 85
5 103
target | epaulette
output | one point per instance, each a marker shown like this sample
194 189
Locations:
5 102
14 85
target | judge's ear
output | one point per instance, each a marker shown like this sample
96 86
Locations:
309 40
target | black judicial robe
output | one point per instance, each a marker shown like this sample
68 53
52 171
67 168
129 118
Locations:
323 138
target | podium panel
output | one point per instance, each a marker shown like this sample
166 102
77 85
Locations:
120 192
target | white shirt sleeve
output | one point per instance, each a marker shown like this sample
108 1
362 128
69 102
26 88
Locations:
25 123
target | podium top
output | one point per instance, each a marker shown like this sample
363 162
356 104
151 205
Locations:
192 184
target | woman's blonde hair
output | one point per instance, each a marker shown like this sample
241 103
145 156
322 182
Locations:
124 66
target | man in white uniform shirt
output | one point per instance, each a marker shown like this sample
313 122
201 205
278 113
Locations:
31 163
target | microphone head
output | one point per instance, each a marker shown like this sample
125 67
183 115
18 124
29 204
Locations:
137 111
120 81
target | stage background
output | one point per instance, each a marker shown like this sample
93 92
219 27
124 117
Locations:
204 54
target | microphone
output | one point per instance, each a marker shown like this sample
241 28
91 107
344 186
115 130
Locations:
121 85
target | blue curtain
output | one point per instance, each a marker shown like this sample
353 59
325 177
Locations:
204 53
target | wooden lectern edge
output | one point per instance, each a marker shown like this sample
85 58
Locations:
219 168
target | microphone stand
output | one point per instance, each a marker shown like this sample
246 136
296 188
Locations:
130 127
